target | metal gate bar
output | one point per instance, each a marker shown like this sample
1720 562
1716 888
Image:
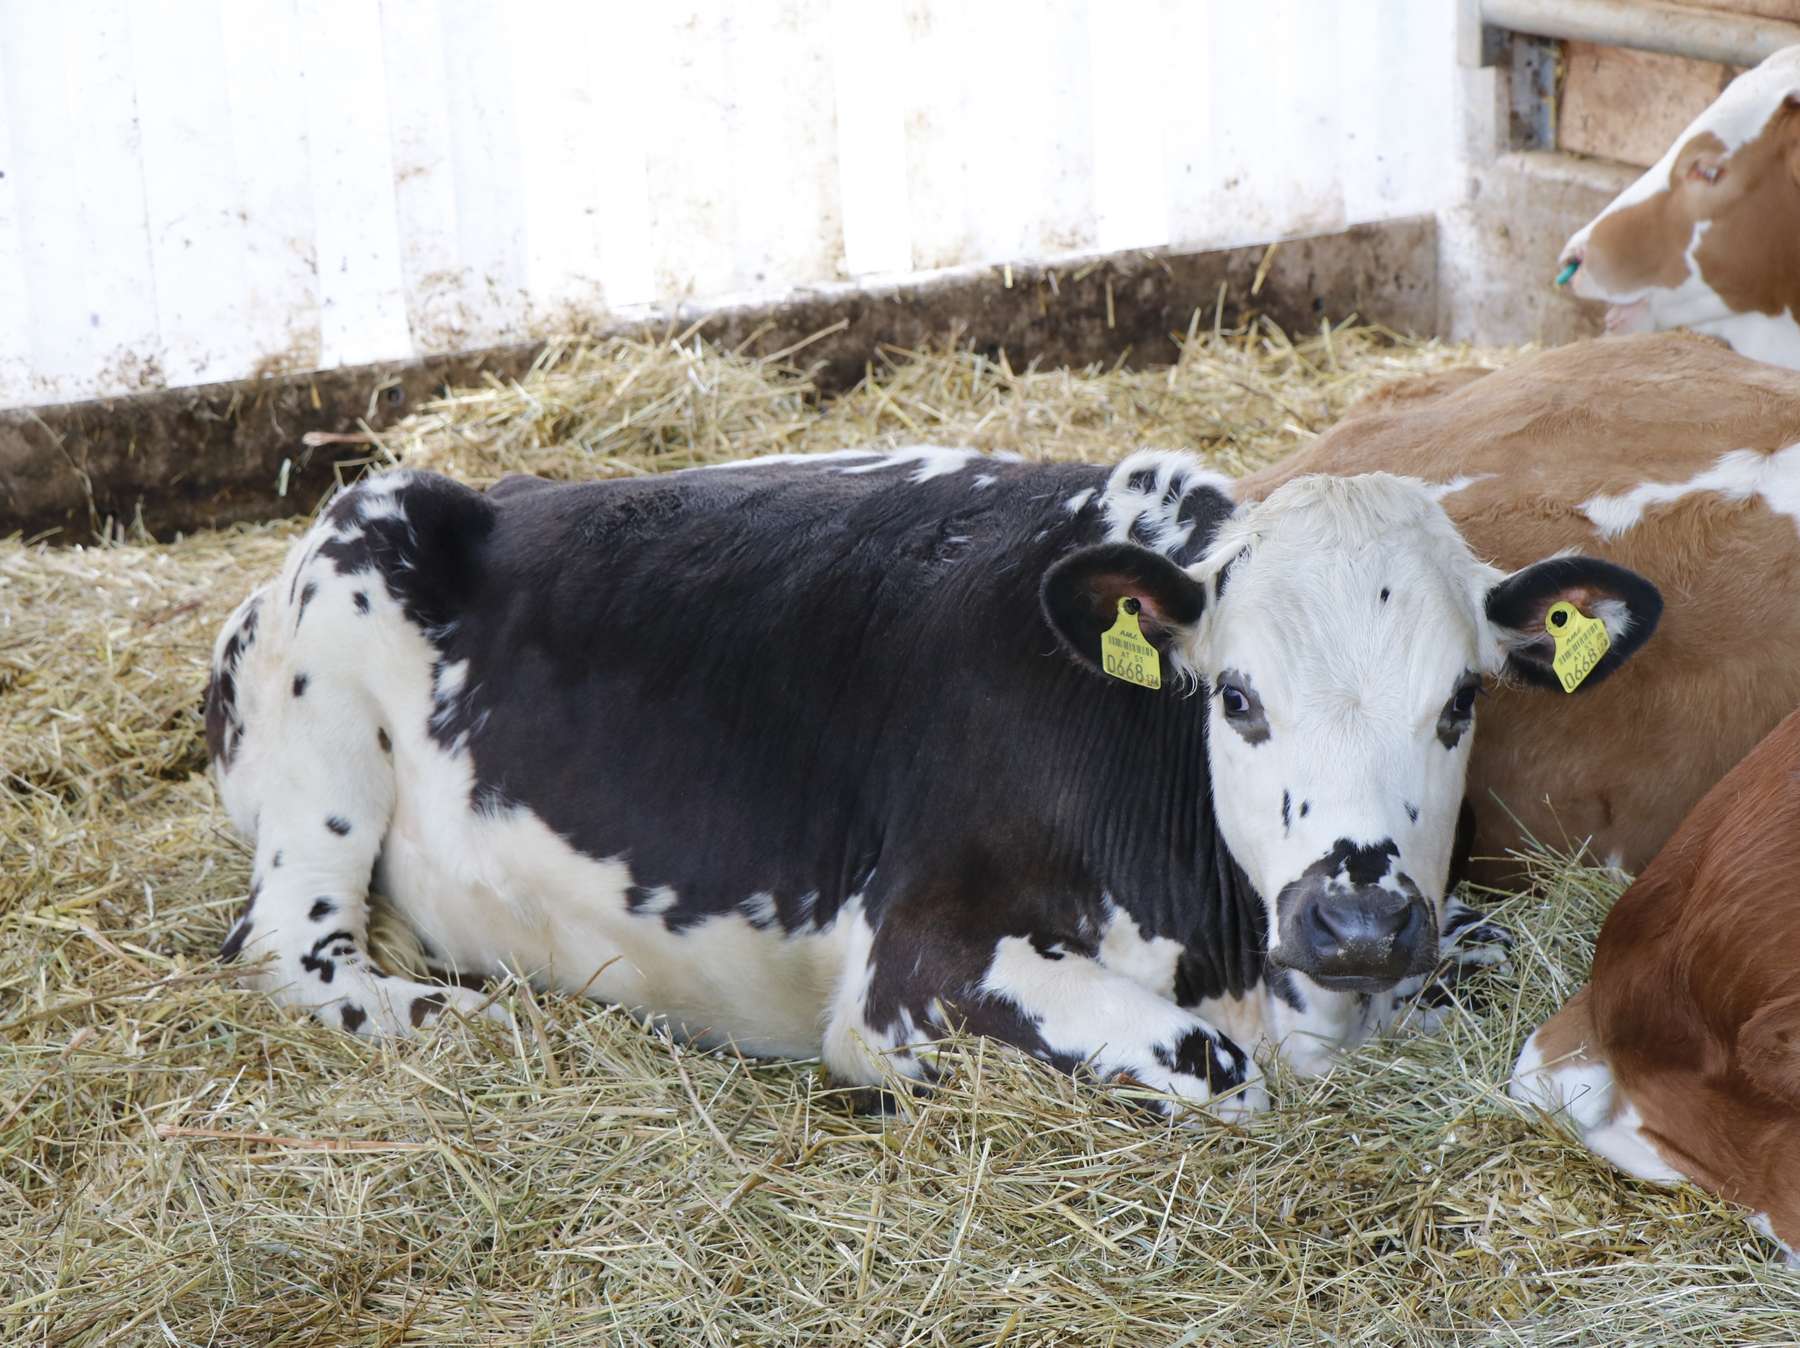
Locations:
1648 25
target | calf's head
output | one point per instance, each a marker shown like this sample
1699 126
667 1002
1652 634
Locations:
1340 631
1709 237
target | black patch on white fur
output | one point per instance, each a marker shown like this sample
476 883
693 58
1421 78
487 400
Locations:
1194 1054
338 825
353 1015
1253 723
224 727
1361 863
1453 724
1224 575
234 940
299 685
320 910
326 951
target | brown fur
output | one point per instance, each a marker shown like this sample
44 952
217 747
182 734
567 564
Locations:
1751 255
1646 245
1692 1001
1621 763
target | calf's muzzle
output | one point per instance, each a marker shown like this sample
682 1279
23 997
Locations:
1351 933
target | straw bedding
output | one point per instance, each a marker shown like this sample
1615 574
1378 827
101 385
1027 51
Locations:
182 1163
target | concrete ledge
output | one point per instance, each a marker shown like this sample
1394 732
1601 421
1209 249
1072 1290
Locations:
190 458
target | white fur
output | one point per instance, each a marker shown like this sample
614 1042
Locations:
1438 491
1352 685
1580 1093
1086 1011
1158 518
1148 961
1737 476
926 461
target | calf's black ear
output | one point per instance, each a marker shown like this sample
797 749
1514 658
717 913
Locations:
1081 595
1519 609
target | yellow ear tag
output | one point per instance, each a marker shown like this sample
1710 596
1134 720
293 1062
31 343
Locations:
1125 654
1581 643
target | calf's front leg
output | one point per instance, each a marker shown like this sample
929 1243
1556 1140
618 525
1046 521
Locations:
1059 1005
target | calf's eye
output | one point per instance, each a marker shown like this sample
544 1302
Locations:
1462 702
1234 702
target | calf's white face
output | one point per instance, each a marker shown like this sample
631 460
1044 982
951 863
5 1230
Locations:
1709 237
1342 656
1340 631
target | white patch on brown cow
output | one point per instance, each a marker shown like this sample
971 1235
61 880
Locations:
1438 491
1737 476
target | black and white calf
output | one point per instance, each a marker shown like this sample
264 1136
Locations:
817 754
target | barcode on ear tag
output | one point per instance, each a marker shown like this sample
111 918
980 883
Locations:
1581 643
1125 654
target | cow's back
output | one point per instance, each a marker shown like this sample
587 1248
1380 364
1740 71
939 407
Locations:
1613 448
727 675
783 678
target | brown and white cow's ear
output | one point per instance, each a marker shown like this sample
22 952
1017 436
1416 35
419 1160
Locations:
1518 607
1081 595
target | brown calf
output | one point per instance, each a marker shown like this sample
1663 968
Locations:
1709 237
1666 454
1681 1057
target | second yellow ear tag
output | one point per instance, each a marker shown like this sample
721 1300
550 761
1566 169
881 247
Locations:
1125 654
1581 643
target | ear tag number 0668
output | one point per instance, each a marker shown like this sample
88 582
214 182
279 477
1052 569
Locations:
1581 643
1125 654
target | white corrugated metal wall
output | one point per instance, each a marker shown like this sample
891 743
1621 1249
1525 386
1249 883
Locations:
198 190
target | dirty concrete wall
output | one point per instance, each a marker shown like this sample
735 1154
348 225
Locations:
1511 211
199 457
206 190
1497 248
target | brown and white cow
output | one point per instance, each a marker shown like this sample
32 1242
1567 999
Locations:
1664 453
1681 1057
1709 237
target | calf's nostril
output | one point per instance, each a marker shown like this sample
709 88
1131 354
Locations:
1410 927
